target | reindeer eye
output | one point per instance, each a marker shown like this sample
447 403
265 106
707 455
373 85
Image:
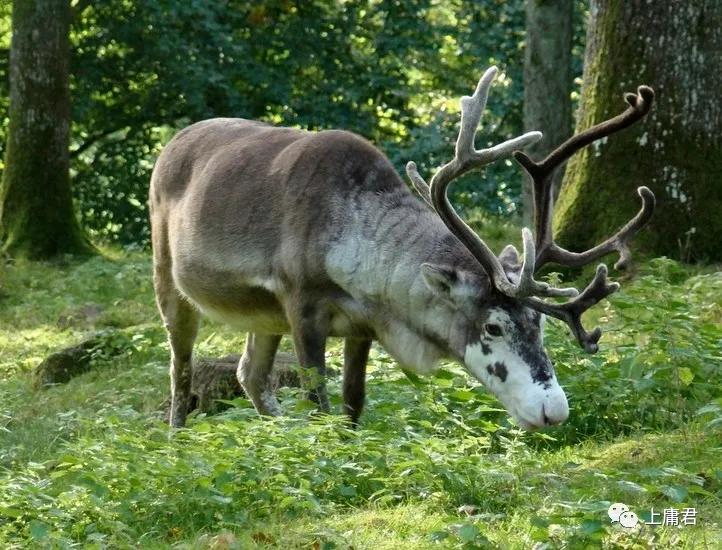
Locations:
492 329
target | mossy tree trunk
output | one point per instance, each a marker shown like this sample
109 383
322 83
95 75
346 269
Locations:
674 47
36 208
547 82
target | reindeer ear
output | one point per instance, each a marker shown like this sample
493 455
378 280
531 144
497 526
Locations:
450 284
510 262
439 278
509 256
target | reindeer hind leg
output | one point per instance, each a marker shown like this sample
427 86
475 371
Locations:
181 322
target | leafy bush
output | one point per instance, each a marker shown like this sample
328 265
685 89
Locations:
662 351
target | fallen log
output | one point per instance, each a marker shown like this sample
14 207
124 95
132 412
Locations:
60 367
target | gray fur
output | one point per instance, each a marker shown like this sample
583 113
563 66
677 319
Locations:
278 231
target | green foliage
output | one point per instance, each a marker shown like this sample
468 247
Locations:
663 334
390 71
90 463
380 69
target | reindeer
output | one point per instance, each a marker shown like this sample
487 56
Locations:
277 230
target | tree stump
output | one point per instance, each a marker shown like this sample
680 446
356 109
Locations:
215 379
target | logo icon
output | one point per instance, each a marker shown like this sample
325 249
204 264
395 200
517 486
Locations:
616 510
628 520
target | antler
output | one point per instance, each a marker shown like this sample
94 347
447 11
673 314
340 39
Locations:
548 251
465 158
541 174
544 250
571 311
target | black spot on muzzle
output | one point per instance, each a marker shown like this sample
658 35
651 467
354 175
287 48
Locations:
499 370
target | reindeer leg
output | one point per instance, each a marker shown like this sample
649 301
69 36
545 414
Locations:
254 371
355 357
309 327
181 323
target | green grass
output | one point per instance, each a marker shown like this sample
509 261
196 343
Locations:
89 463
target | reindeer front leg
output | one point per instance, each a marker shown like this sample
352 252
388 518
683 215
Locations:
309 327
355 357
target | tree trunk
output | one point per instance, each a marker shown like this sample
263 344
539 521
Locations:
36 208
674 47
547 82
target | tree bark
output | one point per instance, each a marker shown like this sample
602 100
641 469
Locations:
674 47
547 82
36 208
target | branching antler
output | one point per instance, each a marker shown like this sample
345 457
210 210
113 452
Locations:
548 251
465 158
541 174
571 312
544 249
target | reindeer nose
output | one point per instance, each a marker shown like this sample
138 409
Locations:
547 421
554 414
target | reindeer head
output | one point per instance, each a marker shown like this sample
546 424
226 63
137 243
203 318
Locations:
502 323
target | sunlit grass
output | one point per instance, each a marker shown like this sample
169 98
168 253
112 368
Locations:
90 463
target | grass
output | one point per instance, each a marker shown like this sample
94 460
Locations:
90 464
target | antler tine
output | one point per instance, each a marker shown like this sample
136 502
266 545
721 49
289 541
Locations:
541 172
422 188
465 158
639 105
571 312
619 241
527 285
